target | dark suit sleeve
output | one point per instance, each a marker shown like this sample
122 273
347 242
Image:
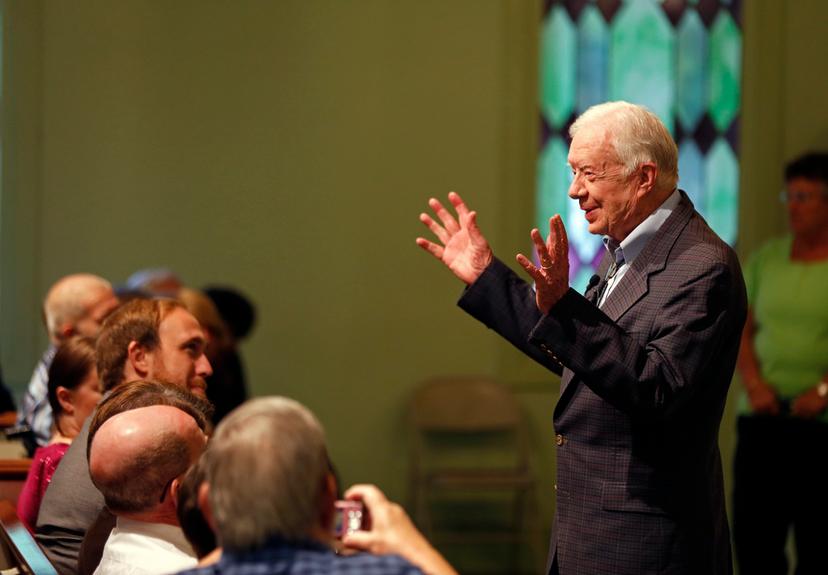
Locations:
652 369
506 304
664 360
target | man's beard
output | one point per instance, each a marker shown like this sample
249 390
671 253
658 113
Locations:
196 385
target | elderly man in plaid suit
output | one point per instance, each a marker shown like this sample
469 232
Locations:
646 355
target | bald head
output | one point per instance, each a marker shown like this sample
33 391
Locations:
135 455
77 304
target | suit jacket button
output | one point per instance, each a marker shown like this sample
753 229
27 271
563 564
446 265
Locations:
559 440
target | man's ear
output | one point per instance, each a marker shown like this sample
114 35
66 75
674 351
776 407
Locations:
646 177
64 397
138 359
175 485
66 331
204 505
327 500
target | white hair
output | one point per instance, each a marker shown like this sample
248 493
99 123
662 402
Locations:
637 136
69 301
266 466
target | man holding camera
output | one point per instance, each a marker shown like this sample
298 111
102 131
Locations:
270 498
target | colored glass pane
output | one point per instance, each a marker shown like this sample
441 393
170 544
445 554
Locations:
722 175
557 74
593 55
725 70
691 78
691 173
553 182
642 67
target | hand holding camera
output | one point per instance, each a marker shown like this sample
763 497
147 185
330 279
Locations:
387 529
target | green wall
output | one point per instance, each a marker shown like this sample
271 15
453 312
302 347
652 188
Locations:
283 147
287 147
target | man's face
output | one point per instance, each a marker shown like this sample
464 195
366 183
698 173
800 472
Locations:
86 395
605 194
180 359
807 206
97 309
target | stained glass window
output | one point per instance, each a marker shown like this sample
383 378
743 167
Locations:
681 59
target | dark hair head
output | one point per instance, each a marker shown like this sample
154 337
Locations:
236 310
73 361
195 526
811 166
136 320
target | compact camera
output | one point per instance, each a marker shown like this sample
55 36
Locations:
348 517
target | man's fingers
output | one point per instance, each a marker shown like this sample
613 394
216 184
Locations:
530 268
362 540
469 221
558 244
544 257
445 216
435 228
458 203
366 492
432 248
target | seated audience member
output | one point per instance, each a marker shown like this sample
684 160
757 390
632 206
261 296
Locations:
144 339
154 282
220 383
74 391
193 523
137 459
75 305
134 395
228 389
270 497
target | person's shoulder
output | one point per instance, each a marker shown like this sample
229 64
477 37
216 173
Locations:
52 449
74 456
51 454
370 564
703 245
773 247
208 570
71 496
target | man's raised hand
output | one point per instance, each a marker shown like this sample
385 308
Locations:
460 246
552 278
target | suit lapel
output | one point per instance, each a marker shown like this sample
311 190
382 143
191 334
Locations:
592 295
594 292
629 290
634 284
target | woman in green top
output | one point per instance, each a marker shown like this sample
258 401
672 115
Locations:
781 465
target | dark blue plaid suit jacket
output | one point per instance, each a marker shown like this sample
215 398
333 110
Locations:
644 382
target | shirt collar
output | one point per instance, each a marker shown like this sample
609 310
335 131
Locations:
632 245
170 533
